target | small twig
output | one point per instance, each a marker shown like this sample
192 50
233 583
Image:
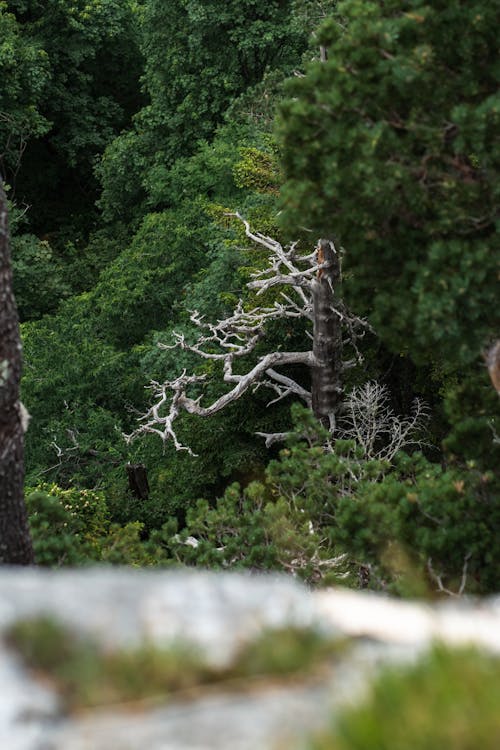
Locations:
439 580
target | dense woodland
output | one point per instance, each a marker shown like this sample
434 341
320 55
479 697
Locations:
131 133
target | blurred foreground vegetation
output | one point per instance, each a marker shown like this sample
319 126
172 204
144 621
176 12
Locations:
86 675
449 699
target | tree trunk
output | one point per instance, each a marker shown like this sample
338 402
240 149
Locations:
493 363
138 481
326 384
15 541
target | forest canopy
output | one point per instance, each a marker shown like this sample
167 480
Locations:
131 134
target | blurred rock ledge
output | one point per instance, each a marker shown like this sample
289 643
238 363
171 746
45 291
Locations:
218 614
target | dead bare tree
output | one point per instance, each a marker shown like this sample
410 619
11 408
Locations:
309 287
15 540
369 420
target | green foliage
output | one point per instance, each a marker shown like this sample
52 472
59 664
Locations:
81 374
72 527
190 86
423 521
275 524
66 525
257 170
189 82
111 297
87 675
285 651
120 171
24 72
73 380
137 291
87 365
227 450
471 408
448 699
86 94
232 534
39 280
324 515
407 523
123 545
390 145
309 14
257 105
327 513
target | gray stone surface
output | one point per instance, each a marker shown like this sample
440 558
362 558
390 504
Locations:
218 613
245 721
26 707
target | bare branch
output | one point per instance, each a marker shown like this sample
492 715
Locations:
370 421
283 266
154 421
273 437
438 577
496 436
232 338
290 386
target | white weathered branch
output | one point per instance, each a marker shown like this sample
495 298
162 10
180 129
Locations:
438 577
237 336
285 386
369 420
175 391
273 437
230 339
283 268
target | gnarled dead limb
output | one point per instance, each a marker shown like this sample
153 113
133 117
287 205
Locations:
154 421
312 292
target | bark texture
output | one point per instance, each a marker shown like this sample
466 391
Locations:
15 541
493 363
326 385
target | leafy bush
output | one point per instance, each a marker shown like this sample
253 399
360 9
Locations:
39 278
72 527
280 523
444 521
66 525
123 545
88 675
448 700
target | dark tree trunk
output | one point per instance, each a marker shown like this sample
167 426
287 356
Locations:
327 337
138 481
15 540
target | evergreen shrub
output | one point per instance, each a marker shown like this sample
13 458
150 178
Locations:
449 699
327 513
